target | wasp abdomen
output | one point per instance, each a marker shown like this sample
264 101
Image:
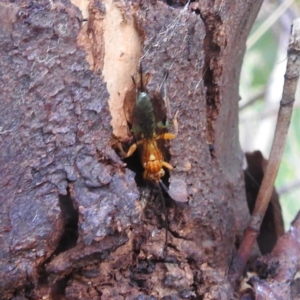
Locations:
152 160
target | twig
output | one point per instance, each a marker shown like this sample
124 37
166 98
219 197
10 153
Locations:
269 22
257 96
283 121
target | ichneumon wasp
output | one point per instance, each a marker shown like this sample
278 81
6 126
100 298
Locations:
148 133
152 158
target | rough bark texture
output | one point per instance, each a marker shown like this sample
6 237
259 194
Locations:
73 224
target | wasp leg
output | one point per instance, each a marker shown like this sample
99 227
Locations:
120 147
132 148
168 135
145 174
175 123
167 165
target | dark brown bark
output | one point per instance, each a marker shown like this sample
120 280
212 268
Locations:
73 224
276 272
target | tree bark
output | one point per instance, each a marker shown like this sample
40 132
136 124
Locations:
75 224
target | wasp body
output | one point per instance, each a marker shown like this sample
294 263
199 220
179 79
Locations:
146 130
144 124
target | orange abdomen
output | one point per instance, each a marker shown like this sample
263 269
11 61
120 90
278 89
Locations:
152 158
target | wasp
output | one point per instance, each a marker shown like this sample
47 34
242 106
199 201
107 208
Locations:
145 125
145 129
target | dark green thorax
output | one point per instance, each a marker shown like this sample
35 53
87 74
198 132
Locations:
143 117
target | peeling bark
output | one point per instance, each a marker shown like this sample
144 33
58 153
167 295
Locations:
74 222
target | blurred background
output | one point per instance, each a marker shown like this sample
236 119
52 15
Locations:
261 86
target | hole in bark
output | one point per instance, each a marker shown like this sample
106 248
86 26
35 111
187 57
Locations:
139 271
176 3
29 289
59 289
211 148
212 52
68 238
134 164
196 11
70 217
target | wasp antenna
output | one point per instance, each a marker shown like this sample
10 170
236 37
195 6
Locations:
163 91
136 87
166 219
164 186
141 74
134 82
252 178
166 74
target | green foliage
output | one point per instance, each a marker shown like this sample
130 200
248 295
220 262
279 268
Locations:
289 172
260 62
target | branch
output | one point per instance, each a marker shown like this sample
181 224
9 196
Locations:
283 121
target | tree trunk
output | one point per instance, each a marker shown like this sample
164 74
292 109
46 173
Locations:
76 223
